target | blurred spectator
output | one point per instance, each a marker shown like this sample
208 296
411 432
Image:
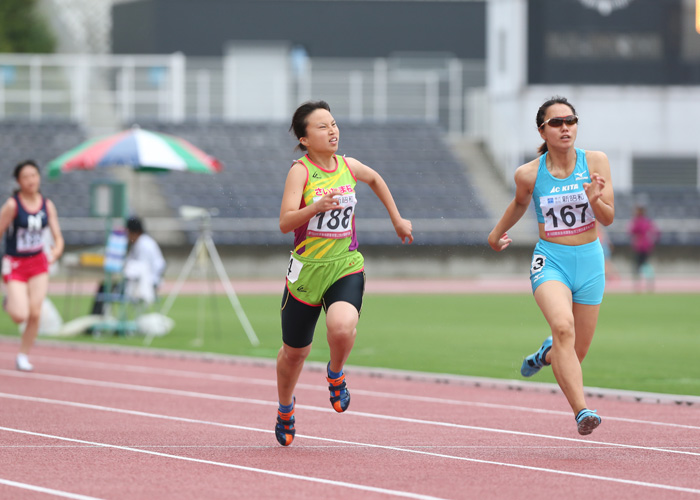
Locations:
644 235
142 271
144 264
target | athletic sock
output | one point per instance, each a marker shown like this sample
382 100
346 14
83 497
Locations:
332 374
286 408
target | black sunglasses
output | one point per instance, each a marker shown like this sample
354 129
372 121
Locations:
561 120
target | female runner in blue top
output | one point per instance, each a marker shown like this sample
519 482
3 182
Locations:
572 189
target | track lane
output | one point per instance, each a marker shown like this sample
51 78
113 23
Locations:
152 432
362 429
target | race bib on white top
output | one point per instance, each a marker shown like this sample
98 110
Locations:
29 240
335 223
566 214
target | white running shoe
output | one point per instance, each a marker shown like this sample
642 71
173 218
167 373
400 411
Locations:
23 363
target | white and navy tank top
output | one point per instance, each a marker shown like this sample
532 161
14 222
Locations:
24 237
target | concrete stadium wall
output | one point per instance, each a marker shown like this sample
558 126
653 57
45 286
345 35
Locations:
414 261
623 122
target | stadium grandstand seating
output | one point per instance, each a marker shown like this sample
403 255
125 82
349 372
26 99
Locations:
42 141
669 207
430 185
426 179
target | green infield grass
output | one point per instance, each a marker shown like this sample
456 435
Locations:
644 342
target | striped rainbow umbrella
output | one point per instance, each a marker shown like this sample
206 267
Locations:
139 149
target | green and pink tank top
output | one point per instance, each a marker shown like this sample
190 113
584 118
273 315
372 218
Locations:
332 233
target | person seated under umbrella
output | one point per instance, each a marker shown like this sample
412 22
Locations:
144 265
143 269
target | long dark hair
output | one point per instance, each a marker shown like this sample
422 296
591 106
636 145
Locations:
543 111
299 120
18 170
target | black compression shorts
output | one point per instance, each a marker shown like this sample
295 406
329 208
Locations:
299 319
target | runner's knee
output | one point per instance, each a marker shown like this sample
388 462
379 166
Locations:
341 326
341 335
341 321
18 316
295 356
563 330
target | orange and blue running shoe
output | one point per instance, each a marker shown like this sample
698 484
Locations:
340 396
284 430
587 420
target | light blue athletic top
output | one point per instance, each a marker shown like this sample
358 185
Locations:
561 204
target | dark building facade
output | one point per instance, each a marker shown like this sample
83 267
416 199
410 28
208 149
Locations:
324 28
632 42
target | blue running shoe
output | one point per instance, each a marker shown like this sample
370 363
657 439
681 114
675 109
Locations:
284 429
534 362
587 420
340 396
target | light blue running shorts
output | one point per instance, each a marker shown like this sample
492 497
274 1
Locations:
580 267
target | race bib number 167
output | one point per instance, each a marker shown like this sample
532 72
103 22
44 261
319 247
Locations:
566 214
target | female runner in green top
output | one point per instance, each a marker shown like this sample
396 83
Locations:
325 269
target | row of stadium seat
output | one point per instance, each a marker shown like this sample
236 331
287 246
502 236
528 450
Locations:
426 179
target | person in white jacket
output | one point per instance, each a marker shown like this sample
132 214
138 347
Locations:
144 265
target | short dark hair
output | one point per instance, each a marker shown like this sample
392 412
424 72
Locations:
134 225
22 164
299 120
18 170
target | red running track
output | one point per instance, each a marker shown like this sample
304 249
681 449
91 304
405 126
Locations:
119 423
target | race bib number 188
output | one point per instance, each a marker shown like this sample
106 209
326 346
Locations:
335 223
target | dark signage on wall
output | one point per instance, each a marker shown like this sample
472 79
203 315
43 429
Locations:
615 42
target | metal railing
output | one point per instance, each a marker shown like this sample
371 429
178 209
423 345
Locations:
108 91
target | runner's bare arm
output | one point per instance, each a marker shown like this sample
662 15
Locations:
54 226
403 227
525 177
7 213
599 190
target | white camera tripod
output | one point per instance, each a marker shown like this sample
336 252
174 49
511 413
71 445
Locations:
204 247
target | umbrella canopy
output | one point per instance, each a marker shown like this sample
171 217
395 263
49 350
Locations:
137 148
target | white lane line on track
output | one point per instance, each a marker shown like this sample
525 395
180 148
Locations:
234 399
49 491
343 442
372 489
308 446
316 387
